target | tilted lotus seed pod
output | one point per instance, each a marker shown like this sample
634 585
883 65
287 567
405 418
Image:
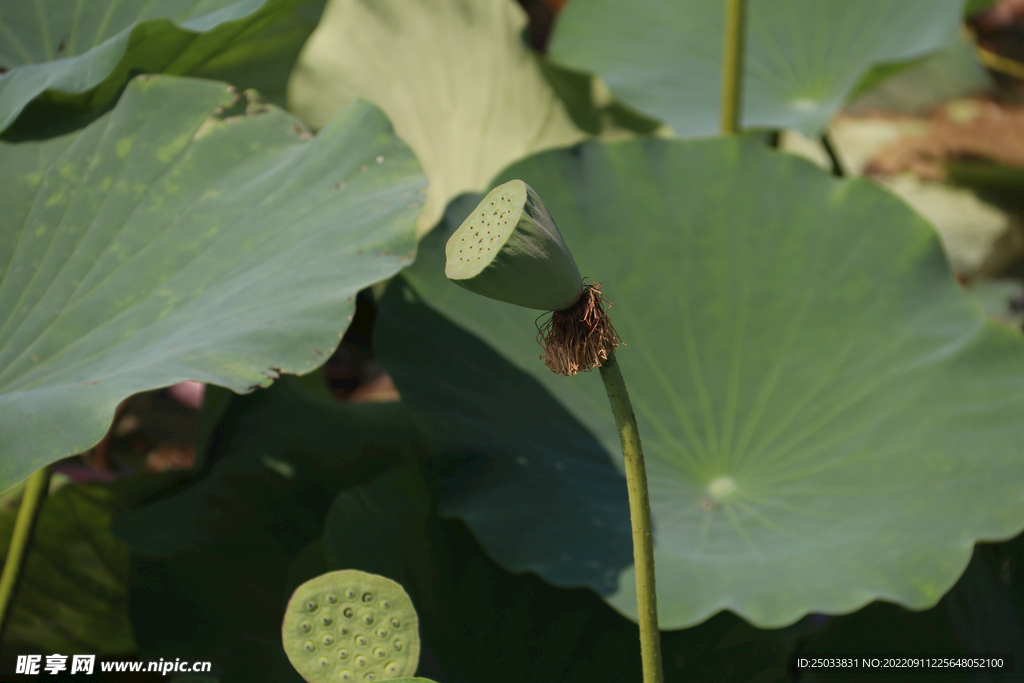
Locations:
351 626
510 250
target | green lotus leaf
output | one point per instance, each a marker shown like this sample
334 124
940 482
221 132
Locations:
828 417
211 559
980 614
948 74
972 7
477 618
263 55
803 58
453 75
73 595
481 436
70 49
1001 298
167 241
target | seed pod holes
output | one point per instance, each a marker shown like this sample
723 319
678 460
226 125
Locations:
509 249
319 645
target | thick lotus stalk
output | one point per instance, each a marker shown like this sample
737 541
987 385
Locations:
509 249
351 626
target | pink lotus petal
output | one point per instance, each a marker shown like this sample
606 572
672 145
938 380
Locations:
188 393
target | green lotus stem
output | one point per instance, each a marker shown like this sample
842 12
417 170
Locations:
837 166
31 503
732 67
640 518
509 249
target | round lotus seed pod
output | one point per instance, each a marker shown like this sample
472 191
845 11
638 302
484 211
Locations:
510 250
311 622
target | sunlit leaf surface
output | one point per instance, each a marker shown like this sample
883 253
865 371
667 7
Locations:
828 417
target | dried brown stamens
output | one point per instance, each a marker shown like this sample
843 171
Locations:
580 337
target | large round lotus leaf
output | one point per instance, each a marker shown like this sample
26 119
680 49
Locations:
71 48
803 58
828 418
453 75
478 618
165 242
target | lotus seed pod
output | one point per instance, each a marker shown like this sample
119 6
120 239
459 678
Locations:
332 629
510 250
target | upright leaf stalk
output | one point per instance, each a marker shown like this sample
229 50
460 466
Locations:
640 519
732 67
31 502
509 249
